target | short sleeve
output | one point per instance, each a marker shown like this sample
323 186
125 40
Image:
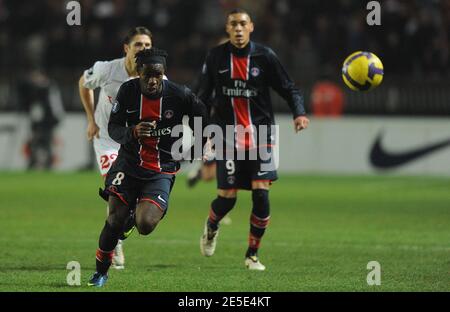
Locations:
96 76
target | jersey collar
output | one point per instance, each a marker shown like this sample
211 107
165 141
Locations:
241 52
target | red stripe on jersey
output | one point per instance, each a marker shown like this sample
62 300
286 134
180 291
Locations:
149 152
241 108
240 67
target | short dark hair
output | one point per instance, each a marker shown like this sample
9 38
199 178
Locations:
140 30
238 11
151 56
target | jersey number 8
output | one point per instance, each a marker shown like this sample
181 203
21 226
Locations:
119 178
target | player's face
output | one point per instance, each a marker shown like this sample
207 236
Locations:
239 27
137 43
151 77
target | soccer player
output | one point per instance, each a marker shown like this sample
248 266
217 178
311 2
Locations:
240 72
108 76
142 118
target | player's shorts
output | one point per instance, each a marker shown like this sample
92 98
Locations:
106 151
239 174
131 190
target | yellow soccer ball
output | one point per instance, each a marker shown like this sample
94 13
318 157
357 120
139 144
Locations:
362 71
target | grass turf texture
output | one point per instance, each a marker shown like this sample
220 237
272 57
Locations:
324 230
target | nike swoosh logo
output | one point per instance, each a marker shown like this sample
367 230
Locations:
131 112
161 199
223 71
260 174
380 158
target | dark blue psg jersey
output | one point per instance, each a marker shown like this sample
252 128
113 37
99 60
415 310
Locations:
141 158
240 80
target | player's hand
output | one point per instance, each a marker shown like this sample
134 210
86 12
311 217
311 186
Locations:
92 131
144 129
301 123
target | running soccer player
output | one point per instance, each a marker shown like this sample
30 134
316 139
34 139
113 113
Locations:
108 76
240 72
142 119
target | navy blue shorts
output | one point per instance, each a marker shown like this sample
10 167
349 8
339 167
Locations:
239 174
131 190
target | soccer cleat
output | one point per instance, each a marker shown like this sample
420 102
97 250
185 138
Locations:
193 180
253 263
208 241
126 234
194 176
118 260
98 280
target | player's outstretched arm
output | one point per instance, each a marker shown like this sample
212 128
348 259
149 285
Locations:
87 98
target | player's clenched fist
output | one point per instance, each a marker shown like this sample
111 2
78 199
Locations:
301 123
144 129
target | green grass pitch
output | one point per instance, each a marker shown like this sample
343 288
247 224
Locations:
324 230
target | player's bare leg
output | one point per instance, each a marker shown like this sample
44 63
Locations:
148 216
258 223
208 171
109 237
222 205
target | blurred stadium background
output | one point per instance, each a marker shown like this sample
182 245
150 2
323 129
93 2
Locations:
312 38
342 220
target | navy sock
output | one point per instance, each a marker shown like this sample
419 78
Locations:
219 209
107 242
259 220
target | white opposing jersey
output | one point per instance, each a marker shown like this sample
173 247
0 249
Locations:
108 76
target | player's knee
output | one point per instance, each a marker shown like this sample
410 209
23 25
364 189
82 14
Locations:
260 185
227 193
261 206
148 219
145 228
223 205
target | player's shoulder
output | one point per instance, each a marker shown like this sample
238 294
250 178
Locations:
116 64
131 85
259 48
219 50
175 89
220 47
107 69
110 64
117 69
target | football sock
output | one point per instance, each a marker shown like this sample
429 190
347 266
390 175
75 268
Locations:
107 242
103 260
219 208
259 220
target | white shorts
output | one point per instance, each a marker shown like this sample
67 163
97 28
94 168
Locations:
106 151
